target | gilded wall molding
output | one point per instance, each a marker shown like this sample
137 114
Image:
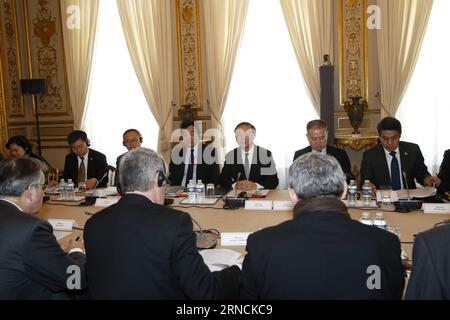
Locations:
189 53
3 115
12 67
46 54
353 49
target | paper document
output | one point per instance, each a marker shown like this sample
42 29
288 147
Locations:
61 234
218 259
417 193
63 224
234 238
250 193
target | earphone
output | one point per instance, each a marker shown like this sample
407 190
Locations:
161 178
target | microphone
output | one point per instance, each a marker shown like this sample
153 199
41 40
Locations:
409 204
205 239
237 180
89 200
98 181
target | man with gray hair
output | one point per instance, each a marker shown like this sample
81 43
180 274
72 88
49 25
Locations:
32 263
321 253
140 249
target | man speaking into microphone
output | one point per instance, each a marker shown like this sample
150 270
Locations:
385 163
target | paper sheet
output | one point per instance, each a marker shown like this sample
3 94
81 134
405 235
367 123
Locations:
61 234
218 259
417 193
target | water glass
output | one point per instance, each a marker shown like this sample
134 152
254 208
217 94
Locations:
82 186
210 192
386 194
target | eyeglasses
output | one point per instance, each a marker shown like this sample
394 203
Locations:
128 141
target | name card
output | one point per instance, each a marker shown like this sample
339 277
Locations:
106 202
258 205
282 205
440 208
63 224
234 238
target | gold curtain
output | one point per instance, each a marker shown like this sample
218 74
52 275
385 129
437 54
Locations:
147 26
404 23
224 21
310 24
79 30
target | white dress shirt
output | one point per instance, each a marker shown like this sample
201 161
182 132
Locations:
250 152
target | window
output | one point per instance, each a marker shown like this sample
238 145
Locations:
116 101
267 87
425 108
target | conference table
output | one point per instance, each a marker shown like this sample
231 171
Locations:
243 220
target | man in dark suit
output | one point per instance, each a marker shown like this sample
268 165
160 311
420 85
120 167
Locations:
317 134
140 249
32 264
83 163
248 167
430 276
444 173
132 138
193 160
321 253
385 163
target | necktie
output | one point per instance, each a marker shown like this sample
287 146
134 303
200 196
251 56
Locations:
81 171
247 166
395 172
190 171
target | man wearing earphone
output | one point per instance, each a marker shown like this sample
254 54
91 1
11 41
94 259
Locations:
140 249
131 139
83 163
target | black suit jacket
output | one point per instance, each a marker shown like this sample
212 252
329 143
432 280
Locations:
444 173
262 170
32 264
116 176
374 166
340 155
208 169
321 255
430 277
97 167
140 250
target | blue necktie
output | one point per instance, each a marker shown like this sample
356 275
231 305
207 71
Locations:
190 170
395 172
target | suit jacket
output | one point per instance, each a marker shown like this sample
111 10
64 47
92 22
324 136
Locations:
140 250
97 167
444 173
208 169
321 254
430 277
374 166
116 176
262 170
340 155
32 264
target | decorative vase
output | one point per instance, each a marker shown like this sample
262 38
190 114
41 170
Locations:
355 111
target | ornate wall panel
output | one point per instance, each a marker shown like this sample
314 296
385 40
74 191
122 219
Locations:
11 58
189 53
46 54
353 49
